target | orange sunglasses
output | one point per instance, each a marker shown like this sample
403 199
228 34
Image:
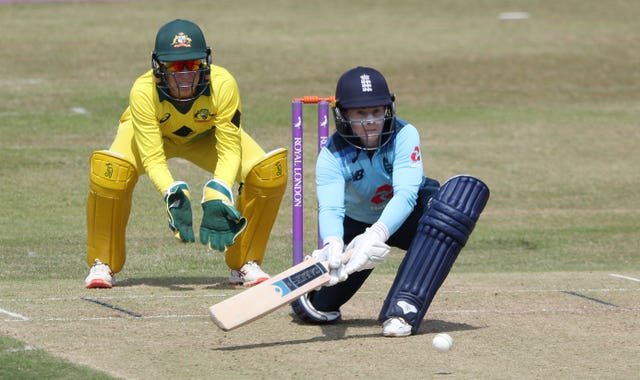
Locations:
178 66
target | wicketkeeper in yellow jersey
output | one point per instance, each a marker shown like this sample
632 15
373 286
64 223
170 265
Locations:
185 107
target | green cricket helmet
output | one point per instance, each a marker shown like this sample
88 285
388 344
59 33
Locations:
180 49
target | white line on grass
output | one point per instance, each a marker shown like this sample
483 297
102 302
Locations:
21 318
128 297
530 311
15 315
513 15
507 291
60 319
543 310
225 295
624 277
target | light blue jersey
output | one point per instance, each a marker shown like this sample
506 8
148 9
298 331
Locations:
381 188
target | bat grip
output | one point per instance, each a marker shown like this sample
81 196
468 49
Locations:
347 255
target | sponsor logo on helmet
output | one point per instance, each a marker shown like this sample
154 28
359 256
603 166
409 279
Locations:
365 82
181 40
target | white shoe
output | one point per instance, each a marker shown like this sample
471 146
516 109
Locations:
396 326
100 276
249 275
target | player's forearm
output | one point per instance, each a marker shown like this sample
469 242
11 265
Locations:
229 155
331 208
330 220
160 177
397 210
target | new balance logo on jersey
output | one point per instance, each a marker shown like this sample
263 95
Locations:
365 82
358 175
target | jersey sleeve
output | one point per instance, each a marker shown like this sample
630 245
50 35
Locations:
330 187
407 175
147 134
227 127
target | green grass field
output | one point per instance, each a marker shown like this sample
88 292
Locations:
545 110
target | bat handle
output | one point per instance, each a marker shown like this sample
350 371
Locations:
346 256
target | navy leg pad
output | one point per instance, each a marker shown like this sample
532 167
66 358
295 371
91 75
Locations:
442 231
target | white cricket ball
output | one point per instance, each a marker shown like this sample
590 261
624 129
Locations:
442 342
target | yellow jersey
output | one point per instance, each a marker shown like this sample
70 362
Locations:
156 120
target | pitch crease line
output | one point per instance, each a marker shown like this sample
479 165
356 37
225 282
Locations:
434 312
15 315
224 295
624 277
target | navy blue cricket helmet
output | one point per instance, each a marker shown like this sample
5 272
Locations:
363 87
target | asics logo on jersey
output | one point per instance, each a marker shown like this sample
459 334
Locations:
365 82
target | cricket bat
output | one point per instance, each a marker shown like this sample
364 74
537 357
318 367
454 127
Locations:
269 295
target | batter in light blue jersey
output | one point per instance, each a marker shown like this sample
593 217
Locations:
378 185
371 192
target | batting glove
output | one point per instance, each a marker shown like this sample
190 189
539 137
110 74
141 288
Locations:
221 221
369 248
332 254
178 205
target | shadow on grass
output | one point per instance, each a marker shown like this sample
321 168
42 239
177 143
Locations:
338 331
179 283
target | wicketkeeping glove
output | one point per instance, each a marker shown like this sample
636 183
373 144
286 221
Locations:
221 221
369 248
178 205
332 254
